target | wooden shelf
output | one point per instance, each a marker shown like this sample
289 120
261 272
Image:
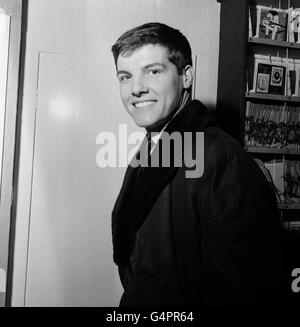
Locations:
274 43
256 149
289 206
261 96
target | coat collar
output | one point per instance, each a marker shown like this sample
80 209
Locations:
143 185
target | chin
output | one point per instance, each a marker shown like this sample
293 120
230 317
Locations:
144 122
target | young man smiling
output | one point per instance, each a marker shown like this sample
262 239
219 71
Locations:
214 240
150 85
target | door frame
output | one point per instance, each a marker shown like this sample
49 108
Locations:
33 45
14 9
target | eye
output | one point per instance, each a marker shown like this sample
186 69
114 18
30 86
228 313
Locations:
154 72
124 78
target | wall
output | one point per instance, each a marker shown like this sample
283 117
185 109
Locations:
88 29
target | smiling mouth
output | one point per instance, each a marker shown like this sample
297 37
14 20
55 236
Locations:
144 104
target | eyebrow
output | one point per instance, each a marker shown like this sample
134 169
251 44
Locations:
122 72
164 66
155 64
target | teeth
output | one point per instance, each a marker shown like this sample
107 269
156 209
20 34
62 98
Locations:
144 104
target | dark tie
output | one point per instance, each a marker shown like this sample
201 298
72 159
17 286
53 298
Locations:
150 144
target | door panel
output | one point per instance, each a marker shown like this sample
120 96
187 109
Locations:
60 268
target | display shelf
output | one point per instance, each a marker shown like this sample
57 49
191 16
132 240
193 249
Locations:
274 43
268 150
289 206
272 97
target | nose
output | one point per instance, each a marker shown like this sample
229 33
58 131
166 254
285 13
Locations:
139 87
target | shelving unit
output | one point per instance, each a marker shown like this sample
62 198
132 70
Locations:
274 97
290 206
268 150
237 60
234 91
291 50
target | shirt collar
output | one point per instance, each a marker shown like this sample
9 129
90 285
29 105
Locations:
156 135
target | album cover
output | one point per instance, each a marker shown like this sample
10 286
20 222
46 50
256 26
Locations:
271 23
269 75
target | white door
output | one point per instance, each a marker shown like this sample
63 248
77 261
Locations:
64 245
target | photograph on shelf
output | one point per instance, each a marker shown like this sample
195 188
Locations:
271 23
294 25
269 75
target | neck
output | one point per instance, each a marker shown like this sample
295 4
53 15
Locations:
159 126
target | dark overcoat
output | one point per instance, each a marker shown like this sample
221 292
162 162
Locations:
214 240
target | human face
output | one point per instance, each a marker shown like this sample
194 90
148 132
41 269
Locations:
150 86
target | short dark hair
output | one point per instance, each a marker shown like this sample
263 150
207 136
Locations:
178 46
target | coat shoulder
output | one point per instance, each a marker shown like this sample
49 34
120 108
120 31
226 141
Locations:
221 147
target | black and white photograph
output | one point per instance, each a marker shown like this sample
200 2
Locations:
149 157
272 23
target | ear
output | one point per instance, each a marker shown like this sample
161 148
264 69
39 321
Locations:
188 76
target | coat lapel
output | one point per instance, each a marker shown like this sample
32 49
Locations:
143 185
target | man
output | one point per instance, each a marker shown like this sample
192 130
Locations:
210 240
